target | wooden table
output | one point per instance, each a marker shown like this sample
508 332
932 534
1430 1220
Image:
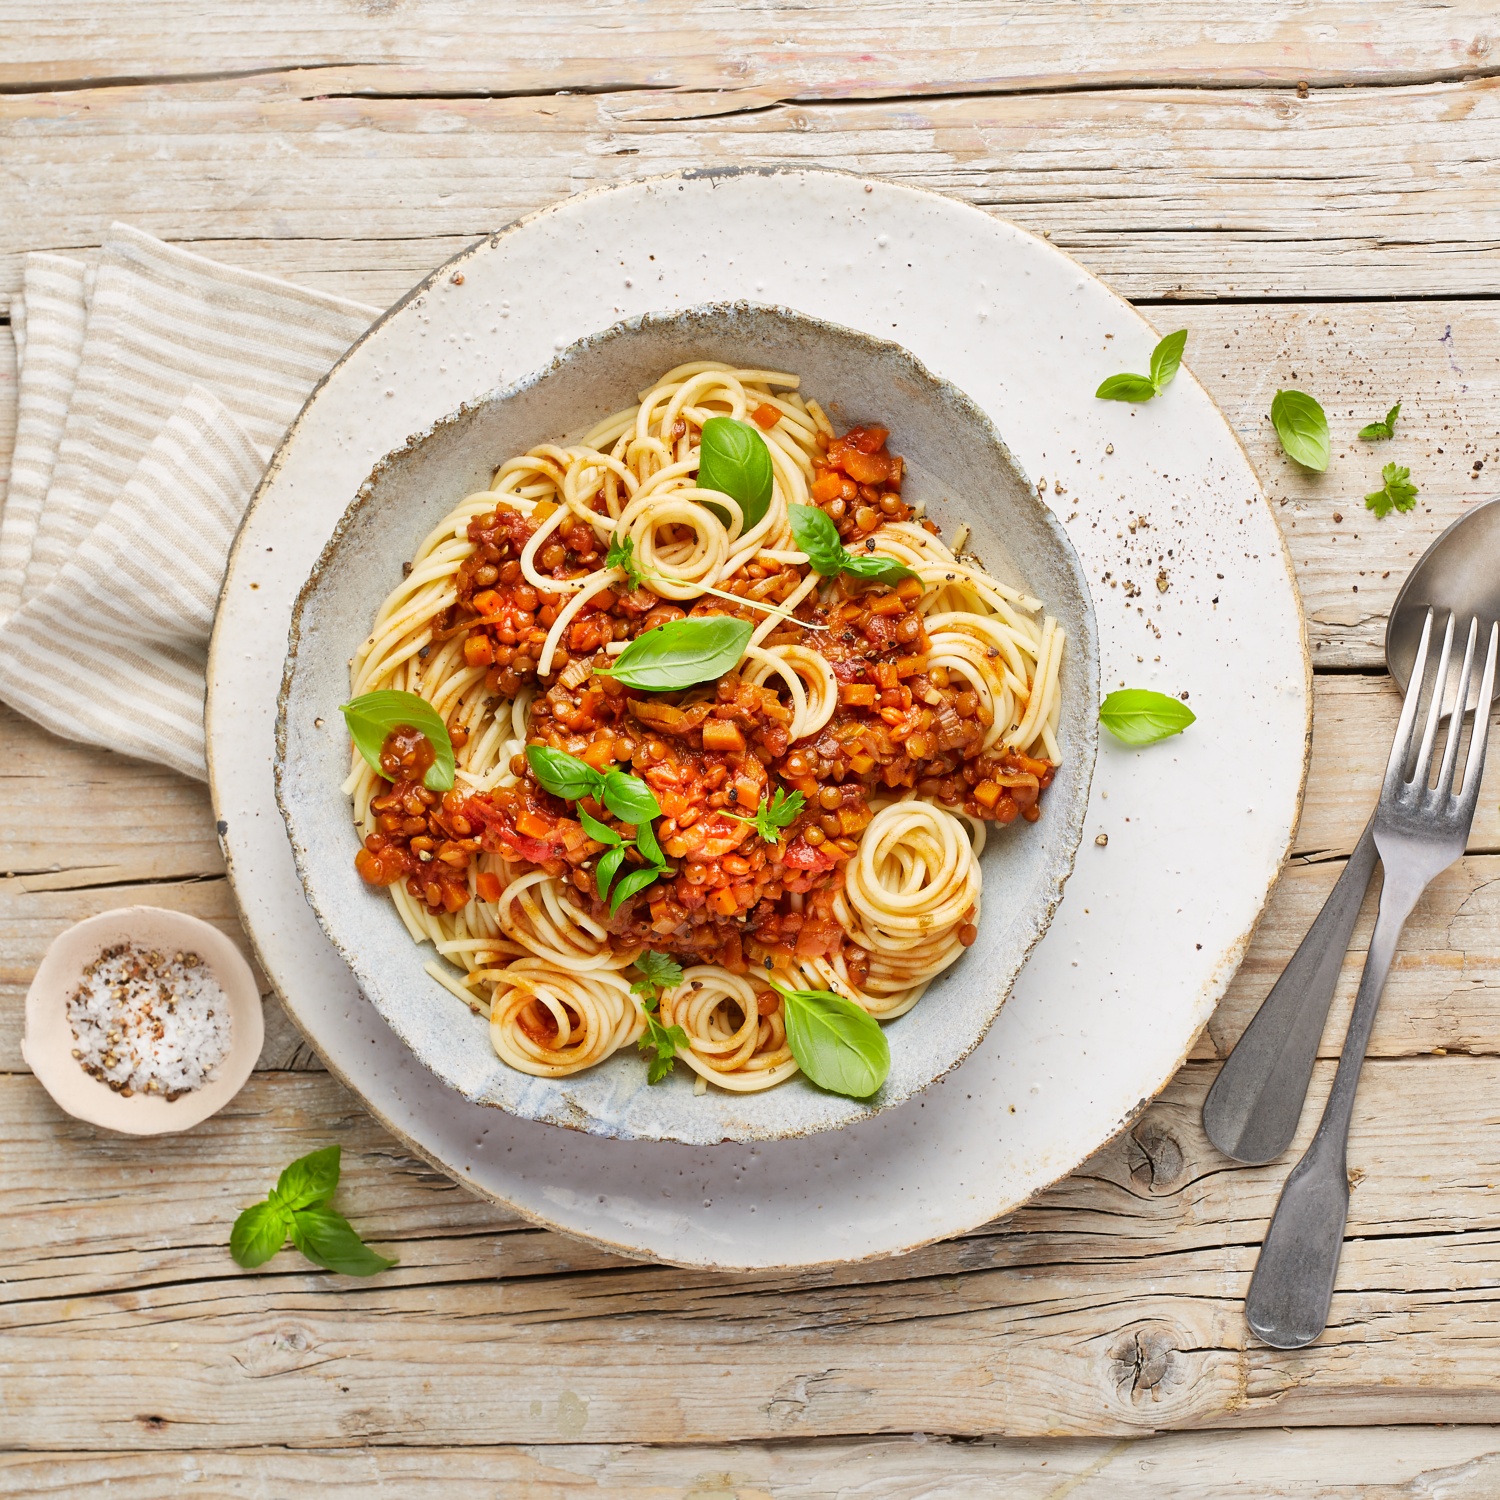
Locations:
1312 189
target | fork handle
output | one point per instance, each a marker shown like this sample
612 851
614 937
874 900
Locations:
1252 1110
1292 1288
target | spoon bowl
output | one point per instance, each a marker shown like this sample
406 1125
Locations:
1457 573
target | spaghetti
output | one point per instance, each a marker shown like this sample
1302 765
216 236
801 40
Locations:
884 724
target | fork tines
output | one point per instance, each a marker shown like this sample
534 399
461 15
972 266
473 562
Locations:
1415 787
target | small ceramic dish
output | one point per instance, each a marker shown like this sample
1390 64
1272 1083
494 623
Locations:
49 1041
956 464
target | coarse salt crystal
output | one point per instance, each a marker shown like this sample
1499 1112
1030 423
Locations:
146 1022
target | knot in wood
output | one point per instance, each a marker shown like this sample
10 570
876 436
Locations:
1154 1157
1144 1364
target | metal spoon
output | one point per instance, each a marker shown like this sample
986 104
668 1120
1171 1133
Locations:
1252 1110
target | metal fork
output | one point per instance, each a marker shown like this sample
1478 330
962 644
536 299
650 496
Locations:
1419 831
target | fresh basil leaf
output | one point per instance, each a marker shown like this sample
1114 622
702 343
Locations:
1139 716
310 1179
1302 427
1126 388
817 536
838 1044
597 830
681 653
562 774
629 798
259 1233
328 1239
645 841
1398 493
637 880
372 716
874 568
609 865
733 459
657 971
1166 357
1374 432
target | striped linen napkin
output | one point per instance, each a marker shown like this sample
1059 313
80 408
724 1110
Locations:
152 389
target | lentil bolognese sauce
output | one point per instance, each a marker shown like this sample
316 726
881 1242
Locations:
803 810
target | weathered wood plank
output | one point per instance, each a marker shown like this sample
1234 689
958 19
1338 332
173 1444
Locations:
1110 1306
771 51
1228 192
1458 1463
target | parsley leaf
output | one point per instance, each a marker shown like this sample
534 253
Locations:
771 817
1165 359
1398 493
1373 432
668 1041
621 555
658 972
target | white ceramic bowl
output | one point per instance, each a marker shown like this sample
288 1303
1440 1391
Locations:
955 462
49 1041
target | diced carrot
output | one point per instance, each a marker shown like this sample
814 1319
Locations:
887 604
909 589
488 602
488 885
719 734
886 674
909 666
826 487
722 901
859 764
765 416
600 754
866 468
533 825
479 650
857 694
987 792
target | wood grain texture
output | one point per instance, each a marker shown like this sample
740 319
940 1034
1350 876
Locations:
1167 193
768 51
1110 1306
1405 1463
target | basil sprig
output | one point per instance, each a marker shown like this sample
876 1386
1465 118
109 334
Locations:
1165 359
682 653
1374 432
372 716
658 972
572 779
734 460
818 537
627 797
298 1206
1302 428
1139 716
838 1044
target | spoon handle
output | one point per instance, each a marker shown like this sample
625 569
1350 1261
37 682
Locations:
1252 1110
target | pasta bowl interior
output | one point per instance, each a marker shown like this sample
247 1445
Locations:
859 797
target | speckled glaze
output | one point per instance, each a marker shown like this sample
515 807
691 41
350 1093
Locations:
955 462
1155 922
